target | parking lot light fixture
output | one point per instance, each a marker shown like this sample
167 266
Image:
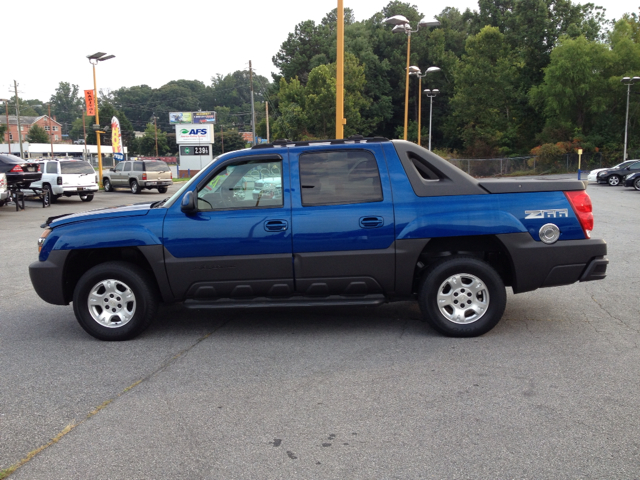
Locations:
416 71
402 25
431 94
628 81
94 59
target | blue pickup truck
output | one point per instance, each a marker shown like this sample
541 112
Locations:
361 221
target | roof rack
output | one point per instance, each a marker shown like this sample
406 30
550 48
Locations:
345 141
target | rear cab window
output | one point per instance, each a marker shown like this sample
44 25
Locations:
339 177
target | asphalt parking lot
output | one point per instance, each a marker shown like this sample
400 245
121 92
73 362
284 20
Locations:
551 392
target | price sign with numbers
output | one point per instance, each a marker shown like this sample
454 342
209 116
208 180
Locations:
194 150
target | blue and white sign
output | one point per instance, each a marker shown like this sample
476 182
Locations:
118 157
194 133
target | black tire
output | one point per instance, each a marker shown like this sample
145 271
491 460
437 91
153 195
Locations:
163 189
48 191
455 277
106 183
636 184
111 283
135 187
86 198
614 180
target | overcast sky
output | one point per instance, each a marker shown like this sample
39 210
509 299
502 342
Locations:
47 42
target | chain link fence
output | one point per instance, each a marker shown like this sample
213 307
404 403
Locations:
493 167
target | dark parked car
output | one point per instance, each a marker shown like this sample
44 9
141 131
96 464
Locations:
614 176
20 173
632 180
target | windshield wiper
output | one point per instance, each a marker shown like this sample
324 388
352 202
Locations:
159 204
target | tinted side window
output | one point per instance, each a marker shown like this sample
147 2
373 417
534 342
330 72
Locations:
250 184
52 167
138 166
341 177
127 167
120 167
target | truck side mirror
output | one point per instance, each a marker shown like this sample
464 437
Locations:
188 204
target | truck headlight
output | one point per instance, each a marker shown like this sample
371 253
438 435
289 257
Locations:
43 237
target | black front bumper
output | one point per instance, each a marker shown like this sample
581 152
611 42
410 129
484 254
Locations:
537 265
47 278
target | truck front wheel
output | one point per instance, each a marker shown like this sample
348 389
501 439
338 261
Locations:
115 301
462 296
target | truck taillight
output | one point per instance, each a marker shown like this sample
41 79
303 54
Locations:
582 207
144 176
59 180
16 169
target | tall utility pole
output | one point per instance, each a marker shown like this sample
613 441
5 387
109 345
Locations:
155 125
266 104
340 120
15 86
222 138
253 110
6 107
50 130
84 134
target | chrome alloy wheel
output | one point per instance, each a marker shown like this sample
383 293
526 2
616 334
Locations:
463 298
111 303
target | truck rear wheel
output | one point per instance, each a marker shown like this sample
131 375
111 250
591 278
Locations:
135 187
462 296
115 301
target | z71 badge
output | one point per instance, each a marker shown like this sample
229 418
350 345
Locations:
556 213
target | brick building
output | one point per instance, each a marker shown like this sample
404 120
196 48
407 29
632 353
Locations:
49 125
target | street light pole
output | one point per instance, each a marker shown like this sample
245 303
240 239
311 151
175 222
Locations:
340 120
431 94
94 59
402 26
416 71
628 82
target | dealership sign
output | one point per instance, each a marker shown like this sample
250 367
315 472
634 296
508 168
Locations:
192 133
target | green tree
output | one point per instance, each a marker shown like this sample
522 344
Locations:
66 105
486 94
147 144
37 135
575 86
107 112
231 139
3 131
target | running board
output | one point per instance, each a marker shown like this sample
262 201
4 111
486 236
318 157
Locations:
263 302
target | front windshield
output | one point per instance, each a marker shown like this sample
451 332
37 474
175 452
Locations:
195 178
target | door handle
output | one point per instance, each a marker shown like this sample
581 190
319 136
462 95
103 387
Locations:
371 222
276 225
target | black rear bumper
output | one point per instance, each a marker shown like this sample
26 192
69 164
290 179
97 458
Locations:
537 265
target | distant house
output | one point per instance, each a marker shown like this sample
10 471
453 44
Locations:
49 125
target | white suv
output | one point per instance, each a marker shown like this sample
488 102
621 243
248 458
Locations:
68 177
4 189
